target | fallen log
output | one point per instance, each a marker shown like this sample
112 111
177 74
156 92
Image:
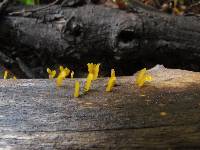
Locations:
77 35
164 114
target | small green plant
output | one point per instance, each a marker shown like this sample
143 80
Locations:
30 2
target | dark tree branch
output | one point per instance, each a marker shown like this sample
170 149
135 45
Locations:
3 5
97 33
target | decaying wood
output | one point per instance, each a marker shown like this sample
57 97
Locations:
164 114
3 5
77 35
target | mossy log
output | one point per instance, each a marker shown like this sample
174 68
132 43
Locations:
163 114
74 36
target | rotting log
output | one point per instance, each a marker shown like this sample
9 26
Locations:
164 114
113 37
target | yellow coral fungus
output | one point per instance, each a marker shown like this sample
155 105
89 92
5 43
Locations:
72 74
96 71
88 82
62 75
61 68
77 89
5 74
90 67
111 81
93 69
113 73
142 77
52 73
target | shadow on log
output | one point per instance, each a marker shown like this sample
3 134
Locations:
164 114
75 36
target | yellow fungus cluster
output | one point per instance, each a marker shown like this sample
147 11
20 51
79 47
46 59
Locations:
52 73
111 81
142 77
5 76
77 89
64 72
93 72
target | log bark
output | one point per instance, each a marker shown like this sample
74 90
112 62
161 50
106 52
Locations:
164 114
77 35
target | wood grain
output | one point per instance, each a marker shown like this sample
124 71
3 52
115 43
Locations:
35 114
